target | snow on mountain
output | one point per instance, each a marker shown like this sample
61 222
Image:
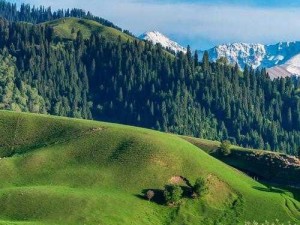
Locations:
282 59
156 37
241 53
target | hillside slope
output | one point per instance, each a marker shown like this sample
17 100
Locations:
66 171
67 28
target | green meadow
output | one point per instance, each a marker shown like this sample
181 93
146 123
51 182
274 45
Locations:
68 171
67 28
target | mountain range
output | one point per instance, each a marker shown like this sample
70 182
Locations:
281 59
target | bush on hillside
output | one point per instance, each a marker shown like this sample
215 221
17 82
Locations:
225 148
200 188
173 194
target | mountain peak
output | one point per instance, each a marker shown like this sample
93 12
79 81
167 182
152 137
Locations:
158 38
281 59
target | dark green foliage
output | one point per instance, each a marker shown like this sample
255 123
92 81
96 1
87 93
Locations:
173 194
200 188
205 62
225 148
51 73
17 96
140 84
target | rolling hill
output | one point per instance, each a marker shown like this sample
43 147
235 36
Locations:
67 28
67 171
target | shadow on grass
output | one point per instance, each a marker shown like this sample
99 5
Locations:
159 197
293 190
187 191
269 189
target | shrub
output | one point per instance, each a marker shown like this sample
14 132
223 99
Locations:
173 194
225 148
200 188
150 194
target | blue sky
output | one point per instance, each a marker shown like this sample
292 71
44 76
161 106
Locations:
265 3
202 24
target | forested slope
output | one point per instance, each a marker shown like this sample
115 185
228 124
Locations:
136 83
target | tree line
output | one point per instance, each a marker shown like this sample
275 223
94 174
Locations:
35 15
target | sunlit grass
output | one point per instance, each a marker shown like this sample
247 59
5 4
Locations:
67 171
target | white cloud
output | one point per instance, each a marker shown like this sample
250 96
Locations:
195 22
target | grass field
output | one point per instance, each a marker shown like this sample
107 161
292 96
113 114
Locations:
66 171
64 27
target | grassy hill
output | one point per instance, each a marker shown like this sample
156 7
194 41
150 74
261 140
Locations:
67 171
67 28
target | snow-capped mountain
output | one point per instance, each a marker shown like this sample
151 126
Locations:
156 37
282 59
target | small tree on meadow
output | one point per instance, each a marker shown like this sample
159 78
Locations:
225 148
150 194
200 188
173 194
